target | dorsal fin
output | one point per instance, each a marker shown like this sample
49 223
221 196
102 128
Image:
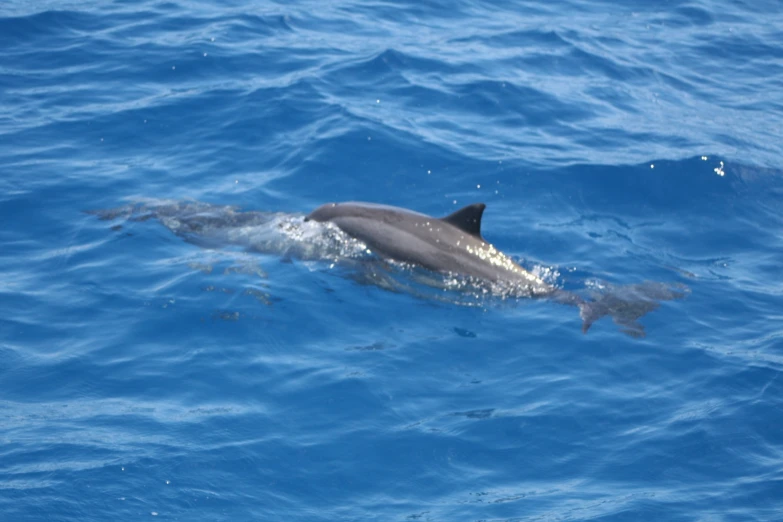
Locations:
467 219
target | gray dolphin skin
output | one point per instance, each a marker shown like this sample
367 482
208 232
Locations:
454 244
362 237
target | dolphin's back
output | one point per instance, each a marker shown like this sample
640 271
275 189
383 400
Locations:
451 244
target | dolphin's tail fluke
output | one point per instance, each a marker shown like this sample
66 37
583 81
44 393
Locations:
626 304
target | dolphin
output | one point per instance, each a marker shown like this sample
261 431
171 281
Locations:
359 236
453 244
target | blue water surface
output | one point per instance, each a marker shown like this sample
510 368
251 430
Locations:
143 374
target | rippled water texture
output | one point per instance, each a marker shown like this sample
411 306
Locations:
150 369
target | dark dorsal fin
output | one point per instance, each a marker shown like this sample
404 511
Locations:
467 219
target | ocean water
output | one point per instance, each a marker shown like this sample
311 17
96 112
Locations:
150 369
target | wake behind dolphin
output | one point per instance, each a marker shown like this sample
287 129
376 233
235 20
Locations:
446 253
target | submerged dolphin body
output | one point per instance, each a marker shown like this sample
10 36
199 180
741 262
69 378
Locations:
364 237
454 245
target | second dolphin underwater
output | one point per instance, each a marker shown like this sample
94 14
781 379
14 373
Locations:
452 245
